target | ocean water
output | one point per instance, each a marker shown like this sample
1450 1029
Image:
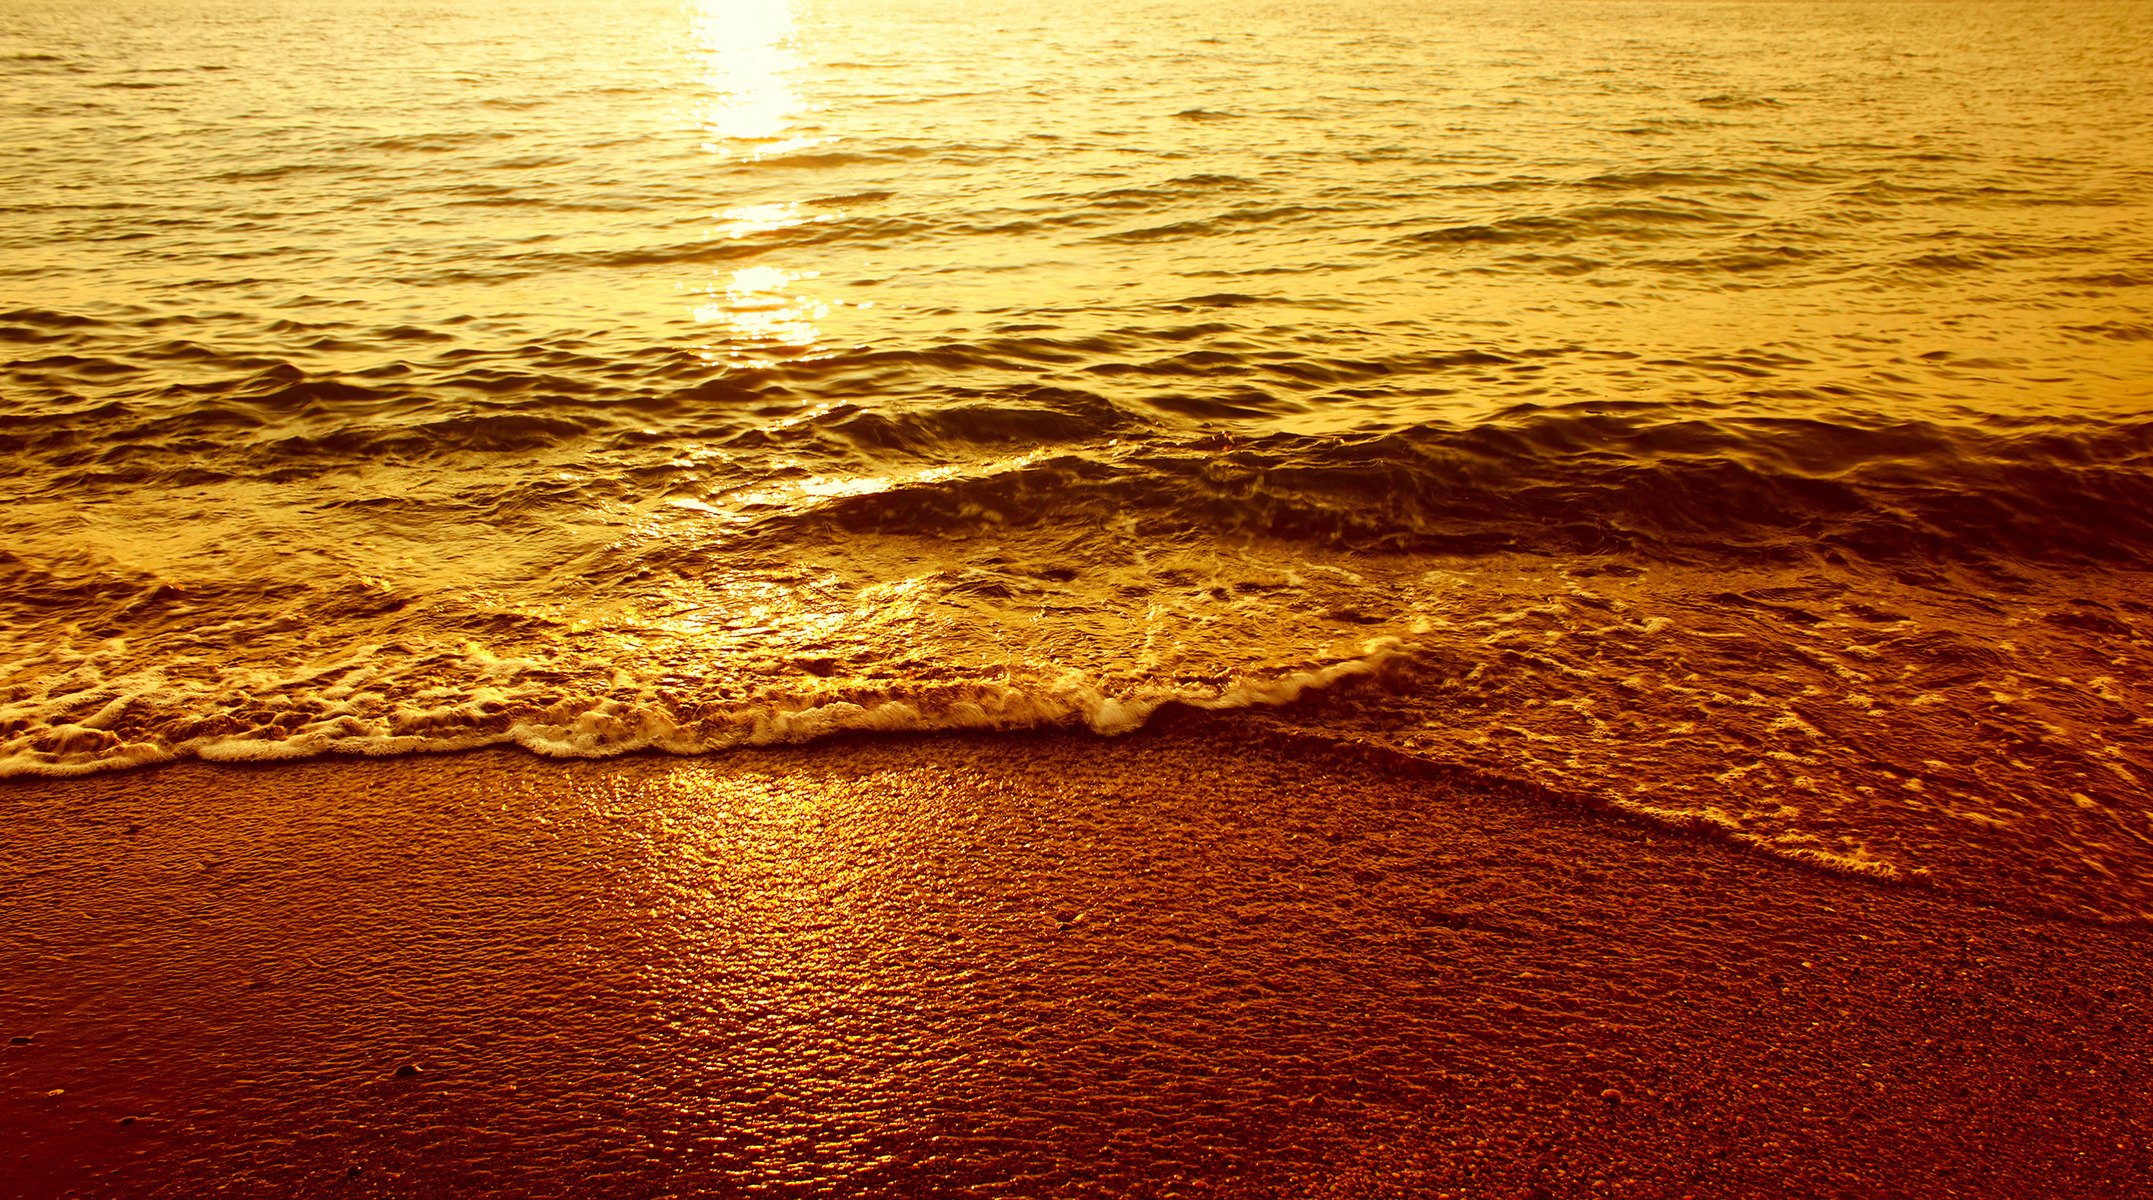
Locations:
1731 414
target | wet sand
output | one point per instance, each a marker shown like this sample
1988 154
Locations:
1199 961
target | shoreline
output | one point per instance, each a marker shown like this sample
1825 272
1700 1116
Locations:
1201 962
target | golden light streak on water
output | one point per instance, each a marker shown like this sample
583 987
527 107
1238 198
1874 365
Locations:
749 64
757 307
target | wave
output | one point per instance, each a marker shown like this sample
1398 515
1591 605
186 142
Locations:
83 742
1200 438
1663 219
1233 220
1590 479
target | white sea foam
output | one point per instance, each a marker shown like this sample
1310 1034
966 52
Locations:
599 728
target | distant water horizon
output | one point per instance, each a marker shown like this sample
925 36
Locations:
1733 414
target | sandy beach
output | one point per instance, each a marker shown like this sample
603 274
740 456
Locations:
1199 961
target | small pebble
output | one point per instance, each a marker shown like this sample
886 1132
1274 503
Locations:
407 1070
127 1120
1612 1096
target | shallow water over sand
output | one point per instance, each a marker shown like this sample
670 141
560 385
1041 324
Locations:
1735 412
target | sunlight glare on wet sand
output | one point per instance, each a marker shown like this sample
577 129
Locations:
1032 967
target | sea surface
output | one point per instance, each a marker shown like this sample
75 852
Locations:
1738 415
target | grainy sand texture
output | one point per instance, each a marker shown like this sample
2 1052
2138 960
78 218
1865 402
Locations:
1199 961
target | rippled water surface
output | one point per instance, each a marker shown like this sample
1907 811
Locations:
1732 413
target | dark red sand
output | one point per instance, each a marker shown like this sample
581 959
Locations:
1191 963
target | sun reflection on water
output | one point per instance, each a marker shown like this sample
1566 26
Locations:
750 57
748 220
750 62
755 308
